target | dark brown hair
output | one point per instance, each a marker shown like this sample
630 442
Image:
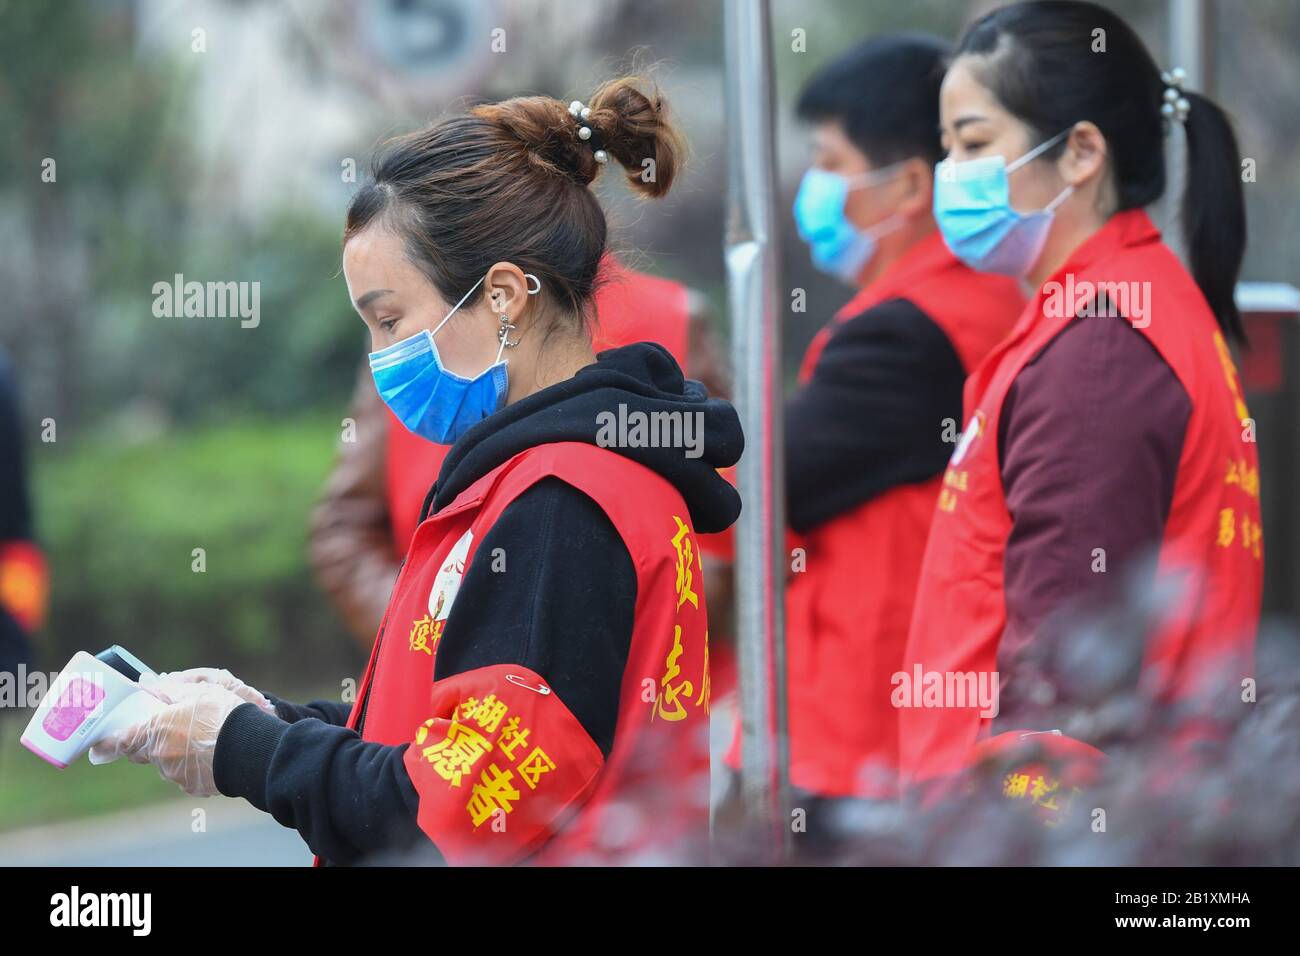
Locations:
509 182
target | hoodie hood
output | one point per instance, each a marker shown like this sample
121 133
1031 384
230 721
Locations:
618 402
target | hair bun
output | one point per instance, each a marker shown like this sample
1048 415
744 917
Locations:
635 129
545 131
629 124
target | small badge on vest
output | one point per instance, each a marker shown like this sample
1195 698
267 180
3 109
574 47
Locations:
427 630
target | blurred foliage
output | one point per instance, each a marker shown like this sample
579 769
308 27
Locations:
303 353
123 518
70 93
124 212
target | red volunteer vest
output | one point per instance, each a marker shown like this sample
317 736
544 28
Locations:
847 614
503 770
1212 540
631 306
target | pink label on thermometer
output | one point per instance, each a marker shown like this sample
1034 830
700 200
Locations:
76 703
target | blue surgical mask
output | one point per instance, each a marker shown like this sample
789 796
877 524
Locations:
972 205
429 400
838 247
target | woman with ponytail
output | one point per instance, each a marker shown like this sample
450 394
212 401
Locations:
539 688
1107 441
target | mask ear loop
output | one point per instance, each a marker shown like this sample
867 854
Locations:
534 287
887 225
1065 194
1038 150
458 305
875 177
501 334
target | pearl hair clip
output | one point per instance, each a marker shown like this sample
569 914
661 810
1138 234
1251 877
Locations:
1175 106
582 114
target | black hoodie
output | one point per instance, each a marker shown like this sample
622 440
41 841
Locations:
564 606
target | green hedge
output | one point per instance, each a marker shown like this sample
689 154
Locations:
120 523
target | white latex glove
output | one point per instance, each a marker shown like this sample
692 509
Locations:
181 739
223 677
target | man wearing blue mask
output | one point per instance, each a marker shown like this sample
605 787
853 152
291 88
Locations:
875 416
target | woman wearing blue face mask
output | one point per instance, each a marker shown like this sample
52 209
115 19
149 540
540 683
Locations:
539 688
1107 442
865 432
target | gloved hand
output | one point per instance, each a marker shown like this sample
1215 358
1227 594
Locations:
213 675
181 739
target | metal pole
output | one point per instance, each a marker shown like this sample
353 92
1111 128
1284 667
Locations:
1189 41
751 258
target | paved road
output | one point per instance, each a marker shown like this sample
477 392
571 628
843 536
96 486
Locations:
230 833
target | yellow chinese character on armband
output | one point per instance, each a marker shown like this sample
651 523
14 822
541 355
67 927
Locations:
492 793
534 765
1234 476
1250 481
668 694
685 558
1251 533
1227 531
1015 785
947 500
1041 789
488 714
1057 820
512 738
467 707
454 755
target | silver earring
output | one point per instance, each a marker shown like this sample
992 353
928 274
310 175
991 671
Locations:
504 331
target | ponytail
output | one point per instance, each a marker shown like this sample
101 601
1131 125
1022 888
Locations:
1213 210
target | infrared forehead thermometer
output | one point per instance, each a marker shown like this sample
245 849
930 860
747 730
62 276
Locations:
91 698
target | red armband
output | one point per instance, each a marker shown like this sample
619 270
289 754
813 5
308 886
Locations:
500 765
